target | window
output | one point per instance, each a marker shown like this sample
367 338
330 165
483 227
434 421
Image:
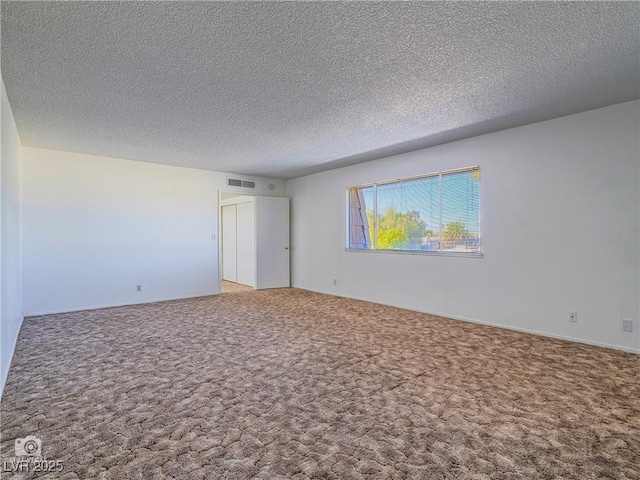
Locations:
436 213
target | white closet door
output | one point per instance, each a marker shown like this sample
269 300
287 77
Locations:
245 243
229 246
272 249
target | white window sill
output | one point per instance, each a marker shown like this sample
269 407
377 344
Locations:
418 252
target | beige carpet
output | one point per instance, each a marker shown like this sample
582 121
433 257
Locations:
232 287
291 384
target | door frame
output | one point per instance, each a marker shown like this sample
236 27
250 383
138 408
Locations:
221 202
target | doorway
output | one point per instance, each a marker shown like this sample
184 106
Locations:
254 242
238 236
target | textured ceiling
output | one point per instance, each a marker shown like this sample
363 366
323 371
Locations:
284 89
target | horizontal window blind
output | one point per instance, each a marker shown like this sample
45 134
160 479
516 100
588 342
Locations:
437 213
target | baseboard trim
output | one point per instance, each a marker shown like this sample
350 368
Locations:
481 322
5 375
115 305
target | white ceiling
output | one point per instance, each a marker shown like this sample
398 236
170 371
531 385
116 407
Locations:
285 89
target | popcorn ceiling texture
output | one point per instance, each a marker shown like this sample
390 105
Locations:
283 89
287 384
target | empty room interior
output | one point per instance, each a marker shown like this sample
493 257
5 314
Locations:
320 240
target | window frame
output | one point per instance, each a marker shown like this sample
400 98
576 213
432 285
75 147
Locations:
438 253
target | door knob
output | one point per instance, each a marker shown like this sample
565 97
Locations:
286 248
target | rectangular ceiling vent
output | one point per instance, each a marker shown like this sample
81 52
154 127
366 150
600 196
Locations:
234 182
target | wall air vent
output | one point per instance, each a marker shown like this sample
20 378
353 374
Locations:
234 182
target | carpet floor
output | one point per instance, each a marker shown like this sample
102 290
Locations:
285 383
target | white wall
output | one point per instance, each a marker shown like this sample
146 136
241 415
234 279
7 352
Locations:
95 227
560 231
10 239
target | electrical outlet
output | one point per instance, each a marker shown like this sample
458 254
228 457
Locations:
627 325
138 288
573 317
335 281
